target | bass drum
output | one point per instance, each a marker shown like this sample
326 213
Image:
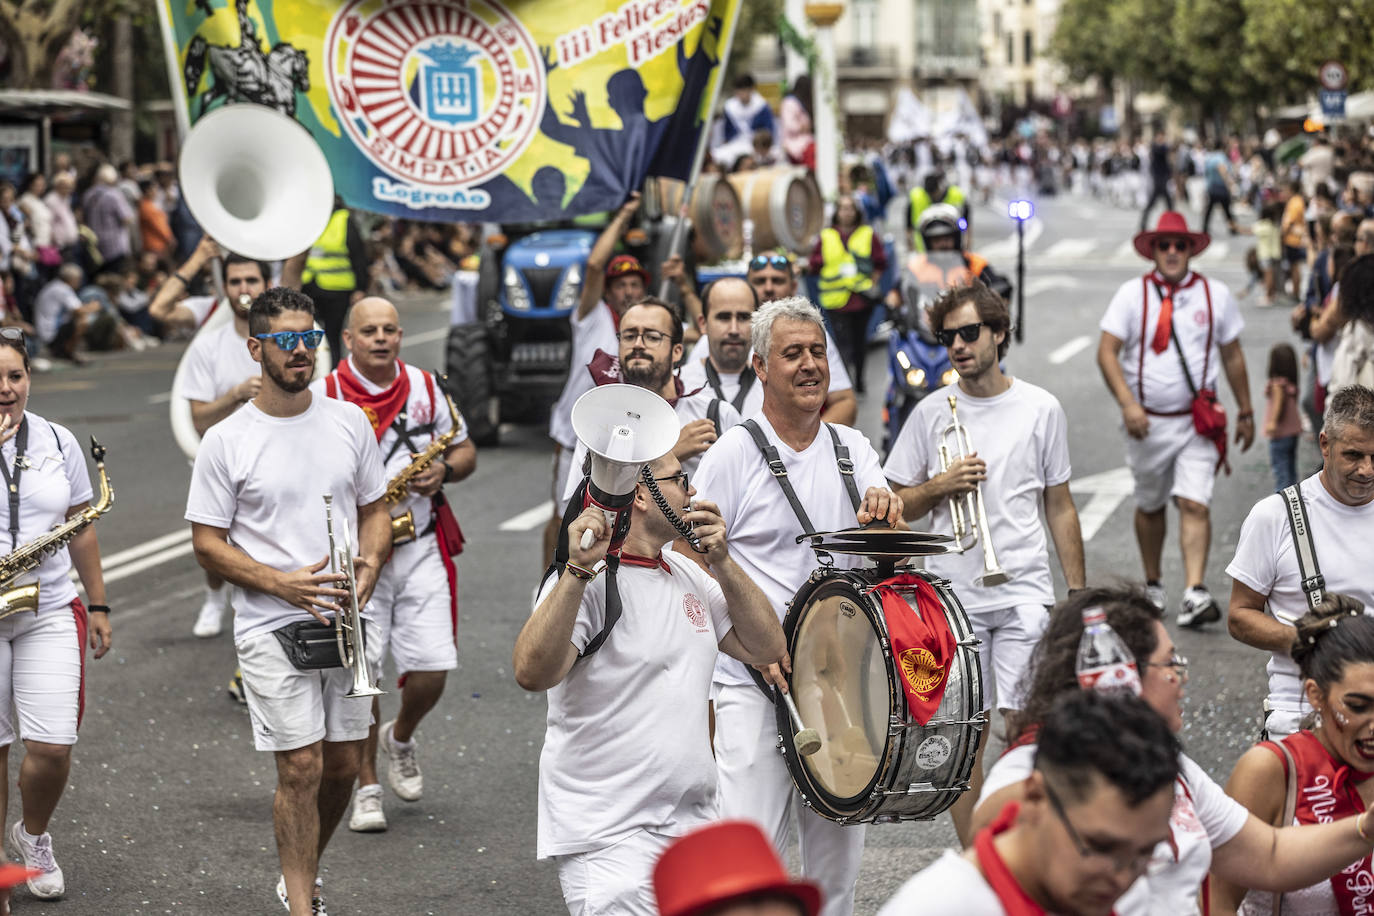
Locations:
179 408
875 762
785 205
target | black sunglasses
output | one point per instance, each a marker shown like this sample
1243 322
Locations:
969 332
1182 245
776 261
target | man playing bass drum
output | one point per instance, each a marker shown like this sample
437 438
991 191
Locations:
415 604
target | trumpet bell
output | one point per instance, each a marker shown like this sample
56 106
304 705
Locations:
256 181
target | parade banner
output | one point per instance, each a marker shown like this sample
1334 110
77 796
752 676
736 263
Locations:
467 110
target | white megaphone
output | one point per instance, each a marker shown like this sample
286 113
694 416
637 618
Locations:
624 427
256 181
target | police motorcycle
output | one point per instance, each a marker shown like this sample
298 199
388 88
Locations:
917 363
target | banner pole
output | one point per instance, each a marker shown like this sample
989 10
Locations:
702 142
175 82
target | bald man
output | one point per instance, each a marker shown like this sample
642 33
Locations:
415 604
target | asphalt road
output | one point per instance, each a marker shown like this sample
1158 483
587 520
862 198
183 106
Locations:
169 807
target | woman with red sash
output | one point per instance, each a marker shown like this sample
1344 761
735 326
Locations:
1331 763
1209 831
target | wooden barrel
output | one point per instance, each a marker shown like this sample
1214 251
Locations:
716 215
785 204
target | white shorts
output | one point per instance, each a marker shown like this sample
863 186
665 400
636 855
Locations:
613 880
1007 640
562 466
42 666
410 611
291 708
1171 461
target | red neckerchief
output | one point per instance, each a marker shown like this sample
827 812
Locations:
381 408
1014 899
630 559
1328 790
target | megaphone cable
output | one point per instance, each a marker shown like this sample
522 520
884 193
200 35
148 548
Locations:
646 477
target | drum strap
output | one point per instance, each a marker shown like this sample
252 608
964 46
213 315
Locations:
779 471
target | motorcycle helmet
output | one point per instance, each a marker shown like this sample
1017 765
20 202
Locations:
939 220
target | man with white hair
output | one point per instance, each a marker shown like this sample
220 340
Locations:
59 315
830 466
110 216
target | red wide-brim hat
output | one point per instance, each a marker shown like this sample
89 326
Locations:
722 862
1171 225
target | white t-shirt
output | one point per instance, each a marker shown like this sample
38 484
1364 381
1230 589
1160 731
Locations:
199 306
949 886
418 412
627 744
839 375
688 410
1164 388
52 307
693 376
264 479
215 362
759 522
594 332
1204 817
54 480
1022 434
1266 562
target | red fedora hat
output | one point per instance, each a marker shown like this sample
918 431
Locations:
1171 225
722 862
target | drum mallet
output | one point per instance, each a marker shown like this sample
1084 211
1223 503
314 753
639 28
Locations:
807 740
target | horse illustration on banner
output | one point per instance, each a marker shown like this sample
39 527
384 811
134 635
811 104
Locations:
243 73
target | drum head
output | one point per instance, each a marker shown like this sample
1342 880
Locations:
840 685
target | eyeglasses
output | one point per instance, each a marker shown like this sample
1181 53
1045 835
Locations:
776 261
1176 661
287 340
652 338
680 476
1181 245
969 332
1133 862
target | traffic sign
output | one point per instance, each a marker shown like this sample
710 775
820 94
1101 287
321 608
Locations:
1333 75
1333 103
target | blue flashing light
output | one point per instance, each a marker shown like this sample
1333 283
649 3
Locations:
1020 210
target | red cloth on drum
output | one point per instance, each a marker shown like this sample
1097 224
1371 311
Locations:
381 408
922 644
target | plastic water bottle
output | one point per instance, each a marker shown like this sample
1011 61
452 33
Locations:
1105 664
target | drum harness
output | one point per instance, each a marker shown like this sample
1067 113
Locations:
779 472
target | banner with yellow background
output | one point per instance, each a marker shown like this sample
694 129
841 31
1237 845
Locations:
468 110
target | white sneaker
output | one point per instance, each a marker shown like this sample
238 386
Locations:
316 902
402 770
367 816
1199 607
1155 592
37 853
209 620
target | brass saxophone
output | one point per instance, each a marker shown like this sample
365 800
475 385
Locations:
16 598
398 488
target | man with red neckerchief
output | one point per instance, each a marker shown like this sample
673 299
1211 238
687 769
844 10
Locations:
415 603
1166 337
1095 806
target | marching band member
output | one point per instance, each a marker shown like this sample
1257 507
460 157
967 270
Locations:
828 466
43 659
618 781
1019 438
220 375
415 603
174 306
255 507
1208 828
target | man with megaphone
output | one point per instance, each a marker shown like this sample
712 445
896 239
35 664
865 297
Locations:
619 779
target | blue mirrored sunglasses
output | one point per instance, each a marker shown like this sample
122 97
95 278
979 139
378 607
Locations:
776 261
287 340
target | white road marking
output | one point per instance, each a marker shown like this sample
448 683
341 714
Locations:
529 519
1108 490
148 562
1217 251
1070 248
1068 351
133 553
1038 285
1005 248
425 337
162 398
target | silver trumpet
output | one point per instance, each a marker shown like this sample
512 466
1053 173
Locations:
348 623
967 513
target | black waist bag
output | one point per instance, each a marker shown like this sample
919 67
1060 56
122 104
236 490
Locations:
310 645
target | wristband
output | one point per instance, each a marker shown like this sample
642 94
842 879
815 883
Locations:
98 609
448 473
1245 415
184 282
580 572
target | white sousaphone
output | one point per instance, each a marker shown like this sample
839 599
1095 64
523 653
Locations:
258 184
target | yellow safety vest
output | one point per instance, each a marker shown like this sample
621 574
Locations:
954 196
842 274
328 266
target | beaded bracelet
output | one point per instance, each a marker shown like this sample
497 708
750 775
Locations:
580 572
